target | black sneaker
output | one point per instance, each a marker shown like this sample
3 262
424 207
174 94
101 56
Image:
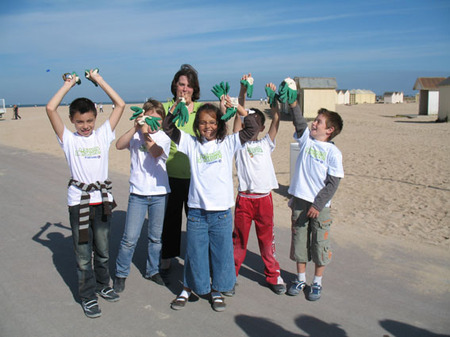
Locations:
108 294
119 284
278 289
91 308
156 278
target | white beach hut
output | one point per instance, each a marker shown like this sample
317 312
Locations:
342 96
428 94
444 101
393 97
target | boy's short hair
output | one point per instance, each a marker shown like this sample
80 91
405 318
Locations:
82 105
221 124
192 76
262 117
153 104
333 119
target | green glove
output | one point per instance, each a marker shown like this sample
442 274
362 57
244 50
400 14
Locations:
230 112
137 111
218 91
225 86
282 92
86 74
248 83
181 113
271 96
290 90
153 122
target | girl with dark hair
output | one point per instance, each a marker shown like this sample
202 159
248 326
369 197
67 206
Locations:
209 263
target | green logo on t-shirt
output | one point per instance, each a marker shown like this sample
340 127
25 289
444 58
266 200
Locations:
209 158
89 152
316 154
252 151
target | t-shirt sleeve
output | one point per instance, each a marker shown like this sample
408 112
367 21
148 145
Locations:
335 167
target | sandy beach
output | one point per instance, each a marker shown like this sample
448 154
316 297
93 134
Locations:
397 168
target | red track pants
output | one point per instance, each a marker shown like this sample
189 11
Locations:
259 209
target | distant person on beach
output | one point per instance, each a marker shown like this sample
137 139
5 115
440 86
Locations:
208 263
257 179
100 107
318 171
89 199
185 85
16 112
149 187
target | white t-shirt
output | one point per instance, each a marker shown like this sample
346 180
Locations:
87 158
211 165
254 166
148 175
315 160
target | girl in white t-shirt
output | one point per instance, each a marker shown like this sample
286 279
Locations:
149 187
209 263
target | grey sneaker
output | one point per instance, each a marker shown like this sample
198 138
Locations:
108 294
296 288
91 308
119 284
314 292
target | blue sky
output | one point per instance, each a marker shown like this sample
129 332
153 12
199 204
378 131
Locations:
138 45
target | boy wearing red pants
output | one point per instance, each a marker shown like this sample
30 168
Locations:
257 178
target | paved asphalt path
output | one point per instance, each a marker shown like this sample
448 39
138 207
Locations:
38 287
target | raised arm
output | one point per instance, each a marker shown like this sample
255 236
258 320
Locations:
275 111
299 121
237 125
250 128
119 104
170 129
52 106
124 141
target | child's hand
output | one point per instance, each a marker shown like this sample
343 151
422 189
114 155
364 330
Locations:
71 78
92 75
270 92
247 82
312 213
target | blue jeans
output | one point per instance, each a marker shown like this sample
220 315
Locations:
91 279
209 245
138 206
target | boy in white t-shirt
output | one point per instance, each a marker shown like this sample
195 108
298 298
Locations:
89 199
318 171
149 187
257 179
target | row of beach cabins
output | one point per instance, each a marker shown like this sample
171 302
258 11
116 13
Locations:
321 92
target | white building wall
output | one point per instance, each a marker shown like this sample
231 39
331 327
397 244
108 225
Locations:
433 102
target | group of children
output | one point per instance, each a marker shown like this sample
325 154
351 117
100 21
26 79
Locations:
214 250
